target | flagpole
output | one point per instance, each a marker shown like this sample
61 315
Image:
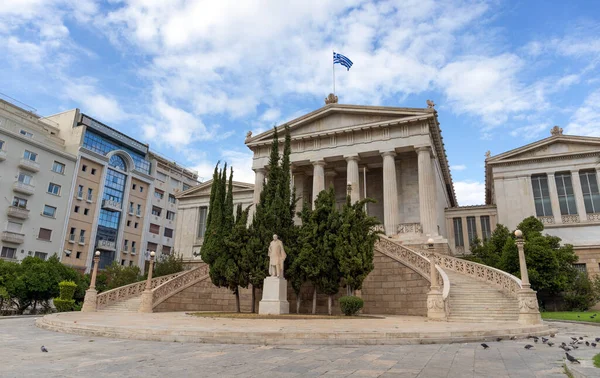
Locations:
333 71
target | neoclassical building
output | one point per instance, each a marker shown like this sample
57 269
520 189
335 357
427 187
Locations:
393 155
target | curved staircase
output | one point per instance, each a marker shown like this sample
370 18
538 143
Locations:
127 305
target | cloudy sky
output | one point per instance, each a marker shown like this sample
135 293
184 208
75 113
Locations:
192 77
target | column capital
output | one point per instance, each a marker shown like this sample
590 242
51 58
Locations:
391 153
423 149
352 158
318 163
331 173
549 174
260 170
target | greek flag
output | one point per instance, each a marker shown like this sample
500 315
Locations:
339 58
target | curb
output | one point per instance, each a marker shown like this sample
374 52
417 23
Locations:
572 322
19 317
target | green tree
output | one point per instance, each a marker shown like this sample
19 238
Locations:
235 274
213 239
489 251
118 275
168 264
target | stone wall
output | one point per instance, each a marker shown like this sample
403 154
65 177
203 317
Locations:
391 288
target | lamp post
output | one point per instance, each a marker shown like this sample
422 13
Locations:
146 303
529 312
436 309
91 294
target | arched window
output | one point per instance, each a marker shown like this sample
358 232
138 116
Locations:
117 162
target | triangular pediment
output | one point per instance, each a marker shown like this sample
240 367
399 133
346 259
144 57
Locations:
560 145
204 189
337 117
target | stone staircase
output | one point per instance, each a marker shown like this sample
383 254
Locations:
128 305
472 300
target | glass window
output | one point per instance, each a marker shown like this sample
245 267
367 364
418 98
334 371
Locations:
486 232
159 194
93 171
19 202
97 143
541 196
591 194
580 268
154 228
135 225
172 198
45 234
54 189
78 255
30 155
161 176
76 209
471 229
168 232
58 167
566 197
458 232
1 144
152 247
202 221
80 191
128 223
49 211
141 189
86 211
25 178
26 133
156 211
41 255
166 250
133 186
170 215
118 162
175 182
186 186
8 253
84 168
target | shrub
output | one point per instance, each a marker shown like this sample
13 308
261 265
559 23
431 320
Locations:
67 289
583 294
168 264
63 305
350 305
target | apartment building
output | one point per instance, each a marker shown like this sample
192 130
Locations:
36 177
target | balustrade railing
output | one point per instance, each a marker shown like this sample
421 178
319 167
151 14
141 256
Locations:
546 219
573 218
167 289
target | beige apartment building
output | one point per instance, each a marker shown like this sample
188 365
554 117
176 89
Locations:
36 178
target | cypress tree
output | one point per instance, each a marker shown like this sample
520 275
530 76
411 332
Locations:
213 240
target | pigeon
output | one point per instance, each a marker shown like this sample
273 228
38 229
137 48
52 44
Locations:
580 338
513 337
499 339
575 347
587 343
563 344
485 346
528 346
552 334
572 359
535 340
544 340
597 339
550 344
43 349
574 338
594 345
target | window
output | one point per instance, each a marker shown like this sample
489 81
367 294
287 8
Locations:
58 167
117 162
72 231
168 232
172 198
76 209
90 194
130 263
99 144
84 168
154 228
161 176
93 171
135 225
152 247
175 182
26 133
19 202
202 221
170 215
41 255
471 229
186 186
580 268
14 227
78 255
1 144
458 232
133 187
566 197
166 250
156 211
30 155
126 245
128 223
54 189
122 262
141 189
50 211
86 211
591 194
80 192
131 207
8 253
139 209
159 194
81 236
486 233
24 178
45 234
541 196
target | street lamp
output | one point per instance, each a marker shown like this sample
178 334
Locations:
146 303
529 312
522 262
89 302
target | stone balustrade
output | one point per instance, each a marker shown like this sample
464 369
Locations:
573 218
546 220
410 228
165 290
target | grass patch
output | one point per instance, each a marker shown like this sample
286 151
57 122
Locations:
247 315
597 360
585 316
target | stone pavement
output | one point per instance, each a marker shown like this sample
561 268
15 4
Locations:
77 356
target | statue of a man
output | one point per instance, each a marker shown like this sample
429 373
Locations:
277 256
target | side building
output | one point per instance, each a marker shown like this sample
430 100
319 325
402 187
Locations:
36 176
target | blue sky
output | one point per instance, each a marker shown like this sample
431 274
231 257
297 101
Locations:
192 77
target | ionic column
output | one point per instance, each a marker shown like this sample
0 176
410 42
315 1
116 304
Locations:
329 179
259 181
352 176
299 185
578 196
427 197
553 192
390 193
318 179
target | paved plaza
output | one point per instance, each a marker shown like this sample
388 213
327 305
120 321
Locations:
79 356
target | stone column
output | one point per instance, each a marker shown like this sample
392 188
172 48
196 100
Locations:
299 185
353 178
318 179
427 196
529 312
91 294
553 192
390 193
330 179
578 191
146 303
259 180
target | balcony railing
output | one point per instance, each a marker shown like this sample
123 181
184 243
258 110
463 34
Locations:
12 237
546 219
593 217
573 218
410 228
17 212
21 187
111 205
71 238
29 165
106 245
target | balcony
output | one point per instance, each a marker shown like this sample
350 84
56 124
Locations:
106 245
12 237
111 205
29 165
17 212
21 187
2 155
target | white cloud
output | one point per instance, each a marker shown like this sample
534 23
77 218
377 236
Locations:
84 92
459 167
470 192
586 119
531 132
240 161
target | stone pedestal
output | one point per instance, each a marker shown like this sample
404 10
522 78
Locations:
435 305
274 297
146 303
529 312
89 301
